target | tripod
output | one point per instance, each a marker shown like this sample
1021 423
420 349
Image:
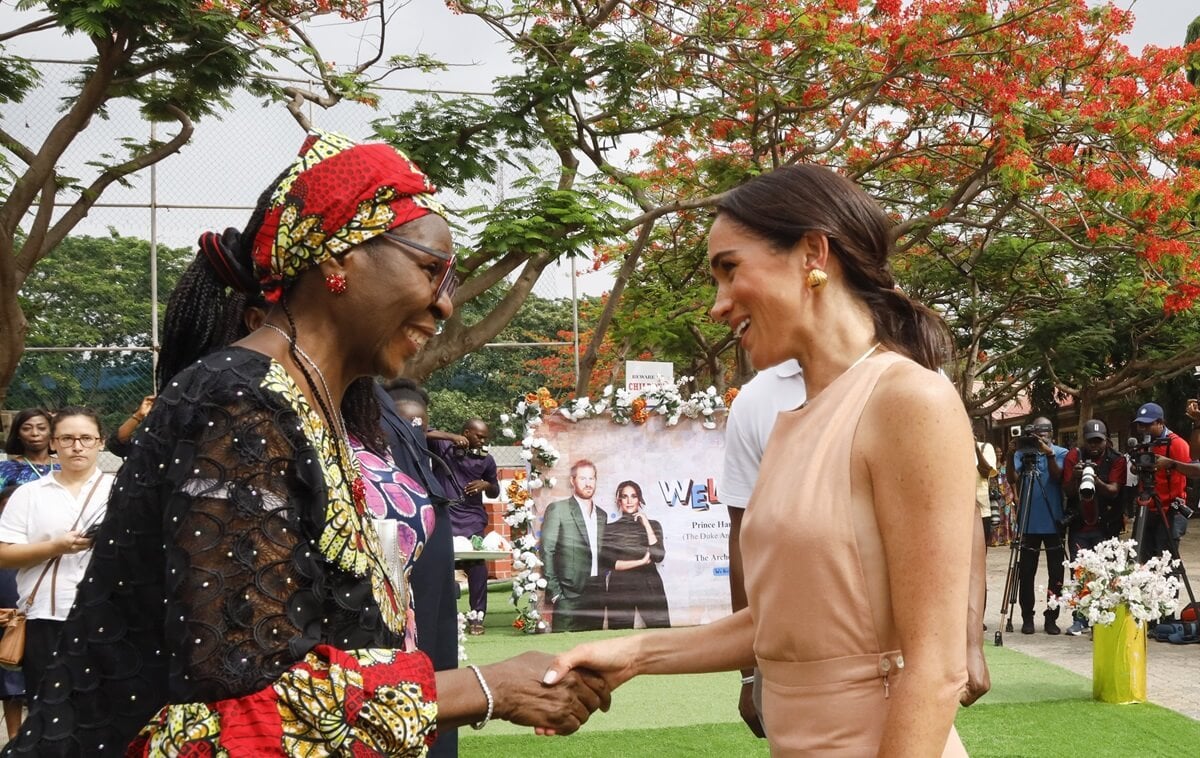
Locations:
1012 579
1150 506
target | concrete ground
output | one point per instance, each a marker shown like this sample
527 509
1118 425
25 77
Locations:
1171 676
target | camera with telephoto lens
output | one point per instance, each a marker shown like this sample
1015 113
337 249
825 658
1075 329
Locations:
1087 482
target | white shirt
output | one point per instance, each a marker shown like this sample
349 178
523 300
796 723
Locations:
589 524
983 495
751 419
44 510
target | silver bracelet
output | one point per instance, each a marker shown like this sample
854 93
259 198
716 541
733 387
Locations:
748 680
486 691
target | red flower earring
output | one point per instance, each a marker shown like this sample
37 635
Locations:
336 283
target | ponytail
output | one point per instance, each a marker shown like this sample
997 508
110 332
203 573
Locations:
910 328
785 204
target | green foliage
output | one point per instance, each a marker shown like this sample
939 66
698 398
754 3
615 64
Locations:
1193 66
570 222
17 77
92 291
483 383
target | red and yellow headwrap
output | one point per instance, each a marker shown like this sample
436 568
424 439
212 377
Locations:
338 194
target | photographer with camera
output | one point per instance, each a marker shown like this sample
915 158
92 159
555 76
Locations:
1163 508
1043 498
1093 476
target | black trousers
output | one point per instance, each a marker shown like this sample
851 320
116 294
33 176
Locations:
41 640
436 595
1031 551
638 590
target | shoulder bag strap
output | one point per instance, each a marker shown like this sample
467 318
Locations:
56 560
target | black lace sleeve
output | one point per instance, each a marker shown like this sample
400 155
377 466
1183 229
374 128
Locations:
205 583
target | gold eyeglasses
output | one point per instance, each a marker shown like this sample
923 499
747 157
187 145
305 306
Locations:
448 282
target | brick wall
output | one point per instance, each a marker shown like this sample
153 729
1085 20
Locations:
501 569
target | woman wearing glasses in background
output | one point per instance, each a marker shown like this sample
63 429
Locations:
239 600
44 534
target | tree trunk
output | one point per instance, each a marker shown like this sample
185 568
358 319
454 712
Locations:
1086 402
12 338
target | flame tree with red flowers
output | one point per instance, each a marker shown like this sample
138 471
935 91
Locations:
1029 158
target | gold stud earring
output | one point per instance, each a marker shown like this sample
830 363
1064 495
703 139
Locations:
817 279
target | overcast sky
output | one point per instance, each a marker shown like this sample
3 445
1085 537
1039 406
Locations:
255 146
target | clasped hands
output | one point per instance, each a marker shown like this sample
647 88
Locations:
560 706
557 695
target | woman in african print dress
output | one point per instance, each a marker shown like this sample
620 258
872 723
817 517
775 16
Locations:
239 601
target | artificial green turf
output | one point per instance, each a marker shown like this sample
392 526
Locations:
700 739
1033 709
1076 728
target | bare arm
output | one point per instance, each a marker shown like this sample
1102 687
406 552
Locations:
916 445
737 598
519 695
17 556
1052 466
455 439
130 425
1190 470
723 645
979 680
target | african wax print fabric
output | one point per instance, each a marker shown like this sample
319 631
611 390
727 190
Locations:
404 518
232 563
337 194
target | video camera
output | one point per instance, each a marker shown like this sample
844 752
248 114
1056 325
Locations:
1027 438
1142 454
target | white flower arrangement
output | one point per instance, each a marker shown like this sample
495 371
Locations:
623 407
1109 575
462 637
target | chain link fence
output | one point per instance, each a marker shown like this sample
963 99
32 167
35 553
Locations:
211 184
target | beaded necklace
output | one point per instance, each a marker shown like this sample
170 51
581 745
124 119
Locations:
338 427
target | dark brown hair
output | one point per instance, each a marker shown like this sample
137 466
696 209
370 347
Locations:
636 488
68 411
789 202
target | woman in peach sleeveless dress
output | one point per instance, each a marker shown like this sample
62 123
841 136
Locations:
826 642
857 544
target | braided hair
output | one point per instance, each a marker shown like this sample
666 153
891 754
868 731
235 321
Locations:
202 305
782 206
206 312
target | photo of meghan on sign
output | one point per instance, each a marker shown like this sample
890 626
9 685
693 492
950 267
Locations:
630 554
630 529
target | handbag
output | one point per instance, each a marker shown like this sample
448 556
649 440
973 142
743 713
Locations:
12 644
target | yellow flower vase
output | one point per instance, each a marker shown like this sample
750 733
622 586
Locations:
1119 659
